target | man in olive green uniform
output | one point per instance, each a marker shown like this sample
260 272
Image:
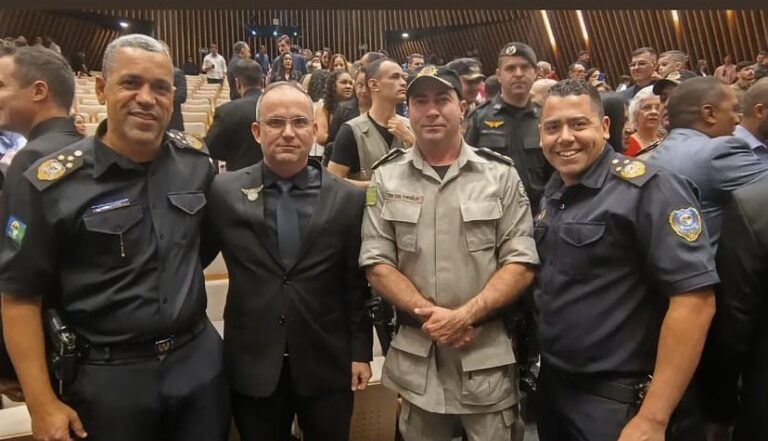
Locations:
447 239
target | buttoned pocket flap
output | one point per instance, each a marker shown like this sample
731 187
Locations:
582 233
495 142
531 143
481 210
413 341
188 202
116 221
407 361
401 211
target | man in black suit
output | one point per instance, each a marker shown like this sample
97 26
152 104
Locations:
297 337
733 386
229 138
240 50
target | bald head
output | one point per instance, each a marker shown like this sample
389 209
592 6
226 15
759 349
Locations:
757 94
686 101
540 89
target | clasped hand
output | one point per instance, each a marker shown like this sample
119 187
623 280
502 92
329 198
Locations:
449 327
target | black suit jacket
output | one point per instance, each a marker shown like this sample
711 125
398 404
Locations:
316 307
737 346
229 138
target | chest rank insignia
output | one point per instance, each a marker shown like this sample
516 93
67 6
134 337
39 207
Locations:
494 124
252 193
51 170
633 169
686 223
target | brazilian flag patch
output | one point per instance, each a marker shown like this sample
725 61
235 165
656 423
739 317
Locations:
16 230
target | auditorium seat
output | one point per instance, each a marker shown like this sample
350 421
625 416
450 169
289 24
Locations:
197 102
91 109
199 108
195 128
101 116
90 128
196 117
15 423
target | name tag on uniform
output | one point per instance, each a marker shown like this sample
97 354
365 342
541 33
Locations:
404 197
108 206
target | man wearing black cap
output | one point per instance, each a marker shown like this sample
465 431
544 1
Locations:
508 124
471 73
452 360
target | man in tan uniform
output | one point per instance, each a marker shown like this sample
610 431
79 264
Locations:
365 139
447 239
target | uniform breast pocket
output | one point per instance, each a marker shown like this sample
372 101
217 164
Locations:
405 215
579 241
110 239
480 220
496 142
187 216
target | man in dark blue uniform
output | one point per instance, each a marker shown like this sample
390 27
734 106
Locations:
625 290
106 232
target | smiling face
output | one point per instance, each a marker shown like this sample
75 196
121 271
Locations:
572 135
139 96
641 68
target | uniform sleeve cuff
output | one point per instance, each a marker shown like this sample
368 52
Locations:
374 251
521 249
692 282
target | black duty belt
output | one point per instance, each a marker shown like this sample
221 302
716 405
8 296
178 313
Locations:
146 349
607 386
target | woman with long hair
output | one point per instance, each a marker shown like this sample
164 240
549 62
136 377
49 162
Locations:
338 62
286 71
340 88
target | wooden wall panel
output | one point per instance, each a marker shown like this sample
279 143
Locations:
70 34
487 39
708 34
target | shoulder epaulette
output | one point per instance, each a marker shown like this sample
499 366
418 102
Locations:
477 108
632 170
392 154
184 140
494 156
54 167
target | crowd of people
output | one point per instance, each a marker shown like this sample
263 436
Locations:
602 251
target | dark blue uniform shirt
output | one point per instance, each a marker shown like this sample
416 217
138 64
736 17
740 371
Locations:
613 247
114 244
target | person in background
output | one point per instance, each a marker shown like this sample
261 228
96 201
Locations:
754 123
745 76
190 67
79 120
340 89
179 95
240 50
263 58
645 119
492 87
642 69
726 72
624 82
702 68
577 71
214 65
338 62
540 89
615 108
286 71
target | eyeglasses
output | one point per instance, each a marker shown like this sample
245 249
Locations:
298 123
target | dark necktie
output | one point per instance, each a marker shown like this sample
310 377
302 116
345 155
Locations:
288 235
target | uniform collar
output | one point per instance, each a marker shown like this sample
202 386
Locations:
105 156
499 104
58 124
466 154
746 135
593 178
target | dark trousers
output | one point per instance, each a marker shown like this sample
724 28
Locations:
214 80
181 397
567 412
324 417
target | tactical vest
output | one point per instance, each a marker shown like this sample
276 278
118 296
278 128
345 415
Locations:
371 146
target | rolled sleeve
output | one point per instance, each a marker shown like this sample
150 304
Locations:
680 264
515 232
379 243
